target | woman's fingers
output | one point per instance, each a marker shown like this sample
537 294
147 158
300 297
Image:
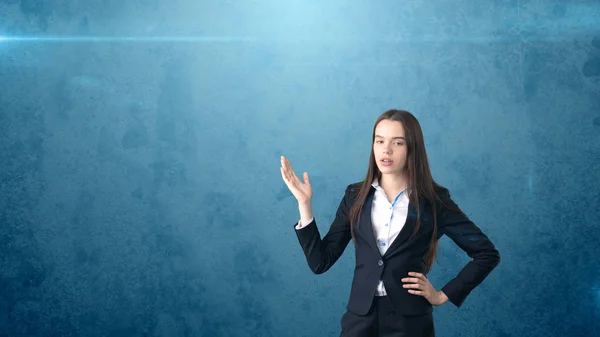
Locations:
284 169
413 285
300 190
410 279
283 175
289 172
414 282
289 177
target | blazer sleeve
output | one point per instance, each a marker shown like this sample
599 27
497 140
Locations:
321 254
485 257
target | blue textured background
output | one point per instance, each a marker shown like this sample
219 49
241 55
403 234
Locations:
140 192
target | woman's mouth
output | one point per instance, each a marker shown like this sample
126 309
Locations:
387 162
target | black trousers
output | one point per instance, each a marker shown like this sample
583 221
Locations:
383 321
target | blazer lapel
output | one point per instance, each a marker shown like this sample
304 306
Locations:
365 225
409 227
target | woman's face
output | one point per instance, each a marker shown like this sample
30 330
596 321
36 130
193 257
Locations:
390 144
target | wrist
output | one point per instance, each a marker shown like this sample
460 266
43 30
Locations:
305 212
442 297
305 207
304 203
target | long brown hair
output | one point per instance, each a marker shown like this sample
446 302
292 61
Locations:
420 183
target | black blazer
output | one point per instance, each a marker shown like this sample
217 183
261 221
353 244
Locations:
402 256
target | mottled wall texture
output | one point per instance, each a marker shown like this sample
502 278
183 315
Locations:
140 191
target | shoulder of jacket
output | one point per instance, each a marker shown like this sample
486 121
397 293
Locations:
354 187
442 191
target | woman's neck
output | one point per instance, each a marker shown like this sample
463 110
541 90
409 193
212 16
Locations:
393 183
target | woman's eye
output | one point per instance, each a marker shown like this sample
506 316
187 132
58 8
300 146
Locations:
397 143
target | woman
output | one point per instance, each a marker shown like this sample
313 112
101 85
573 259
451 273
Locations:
395 218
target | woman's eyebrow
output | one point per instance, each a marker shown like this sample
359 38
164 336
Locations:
391 137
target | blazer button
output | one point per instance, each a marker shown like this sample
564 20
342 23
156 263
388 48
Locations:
380 263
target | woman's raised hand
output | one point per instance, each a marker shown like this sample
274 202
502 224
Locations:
301 190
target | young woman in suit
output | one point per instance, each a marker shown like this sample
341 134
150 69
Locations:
395 217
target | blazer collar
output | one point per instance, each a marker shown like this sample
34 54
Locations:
365 225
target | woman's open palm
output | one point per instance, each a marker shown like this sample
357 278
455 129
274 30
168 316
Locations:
301 190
